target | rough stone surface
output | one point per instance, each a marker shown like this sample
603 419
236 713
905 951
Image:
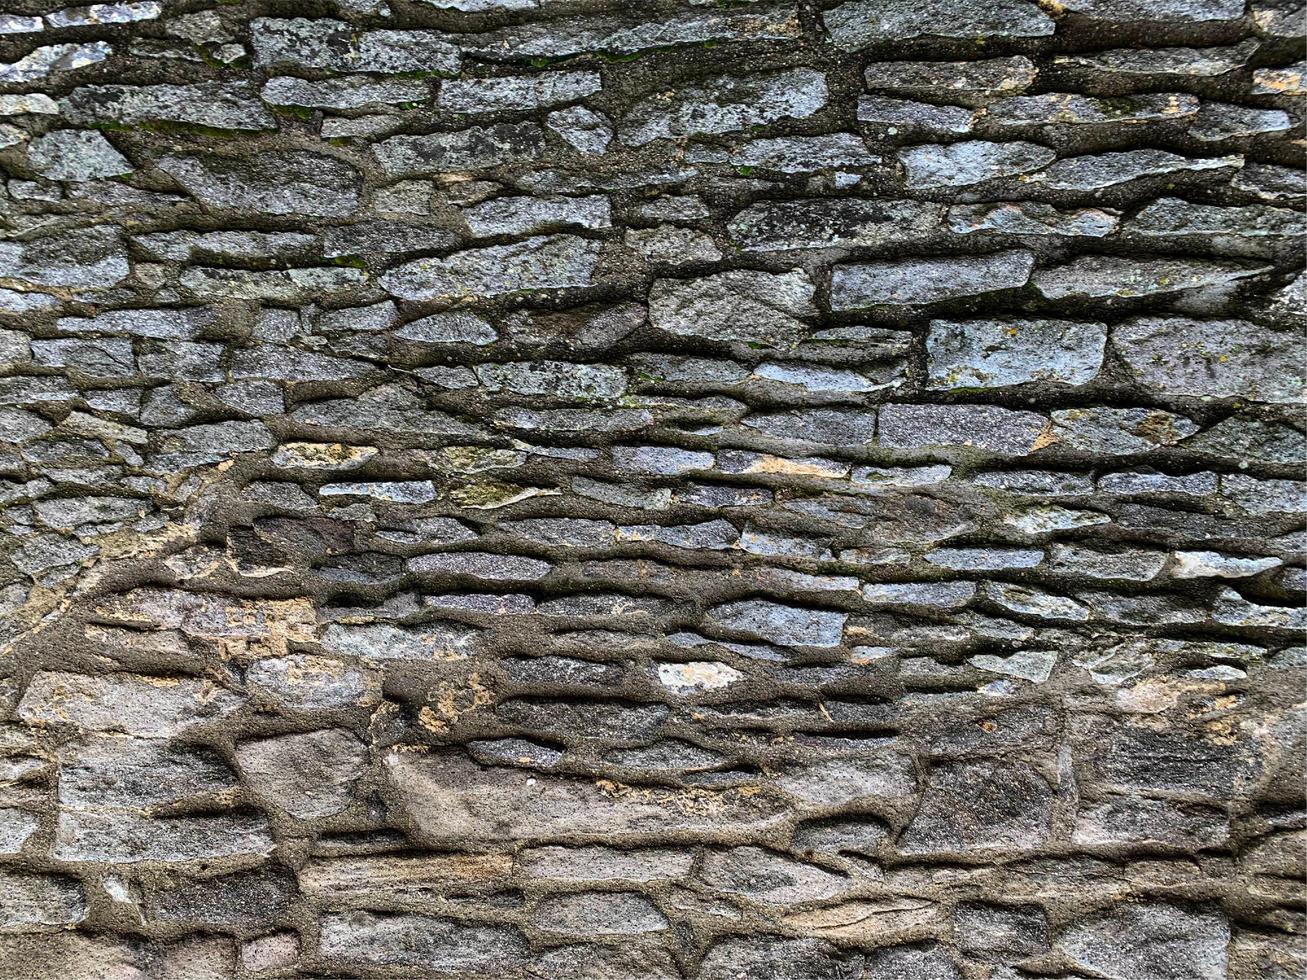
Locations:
684 490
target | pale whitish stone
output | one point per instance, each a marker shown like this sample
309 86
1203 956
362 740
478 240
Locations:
1212 358
582 129
532 215
698 675
803 154
670 245
155 707
1112 276
970 162
726 104
474 95
28 103
350 92
861 23
742 304
269 183
919 281
542 262
1095 172
398 492
76 154
1213 564
104 13
1051 517
842 222
16 826
902 116
1150 940
1073 109
1162 11
997 353
381 642
12 136
1029 665
219 105
338 46
1187 62
982 427
91 258
1031 218
55 57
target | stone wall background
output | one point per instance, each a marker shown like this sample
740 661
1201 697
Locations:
555 488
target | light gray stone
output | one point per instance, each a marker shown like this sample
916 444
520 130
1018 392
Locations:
215 105
914 282
541 262
997 353
860 23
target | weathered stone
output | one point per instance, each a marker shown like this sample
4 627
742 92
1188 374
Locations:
598 914
1216 122
351 92
725 105
251 899
604 864
381 642
1211 358
1185 62
973 83
454 800
980 806
1126 11
126 838
45 61
971 162
465 149
771 879
113 772
805 154
860 23
777 623
740 305
996 353
897 116
842 222
1073 109
1118 431
1150 940
215 105
1030 218
983 427
1139 820
542 262
32 901
156 707
76 154
271 183
582 129
308 776
91 258
337 46
420 941
530 215
477 564
1112 277
1099 171
919 281
474 95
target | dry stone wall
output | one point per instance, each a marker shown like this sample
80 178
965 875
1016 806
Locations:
639 491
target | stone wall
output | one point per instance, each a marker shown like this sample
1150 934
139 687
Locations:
652 490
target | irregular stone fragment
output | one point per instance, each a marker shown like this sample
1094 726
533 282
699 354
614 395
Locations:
90 258
377 643
542 262
626 35
604 863
1102 170
216 105
971 162
155 707
598 914
777 623
917 281
1216 122
996 353
1140 820
45 61
452 799
1280 81
108 771
762 876
1152 940
984 427
725 105
126 838
860 23
309 775
1031 218
1211 358
741 304
1186 62
840 222
76 154
1118 431
351 92
337 46
1253 230
474 95
1111 277
481 565
31 901
531 215
902 116
805 154
979 806
420 941
1072 109
582 129
269 183
104 13
99 358
972 83
464 149
1126 11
